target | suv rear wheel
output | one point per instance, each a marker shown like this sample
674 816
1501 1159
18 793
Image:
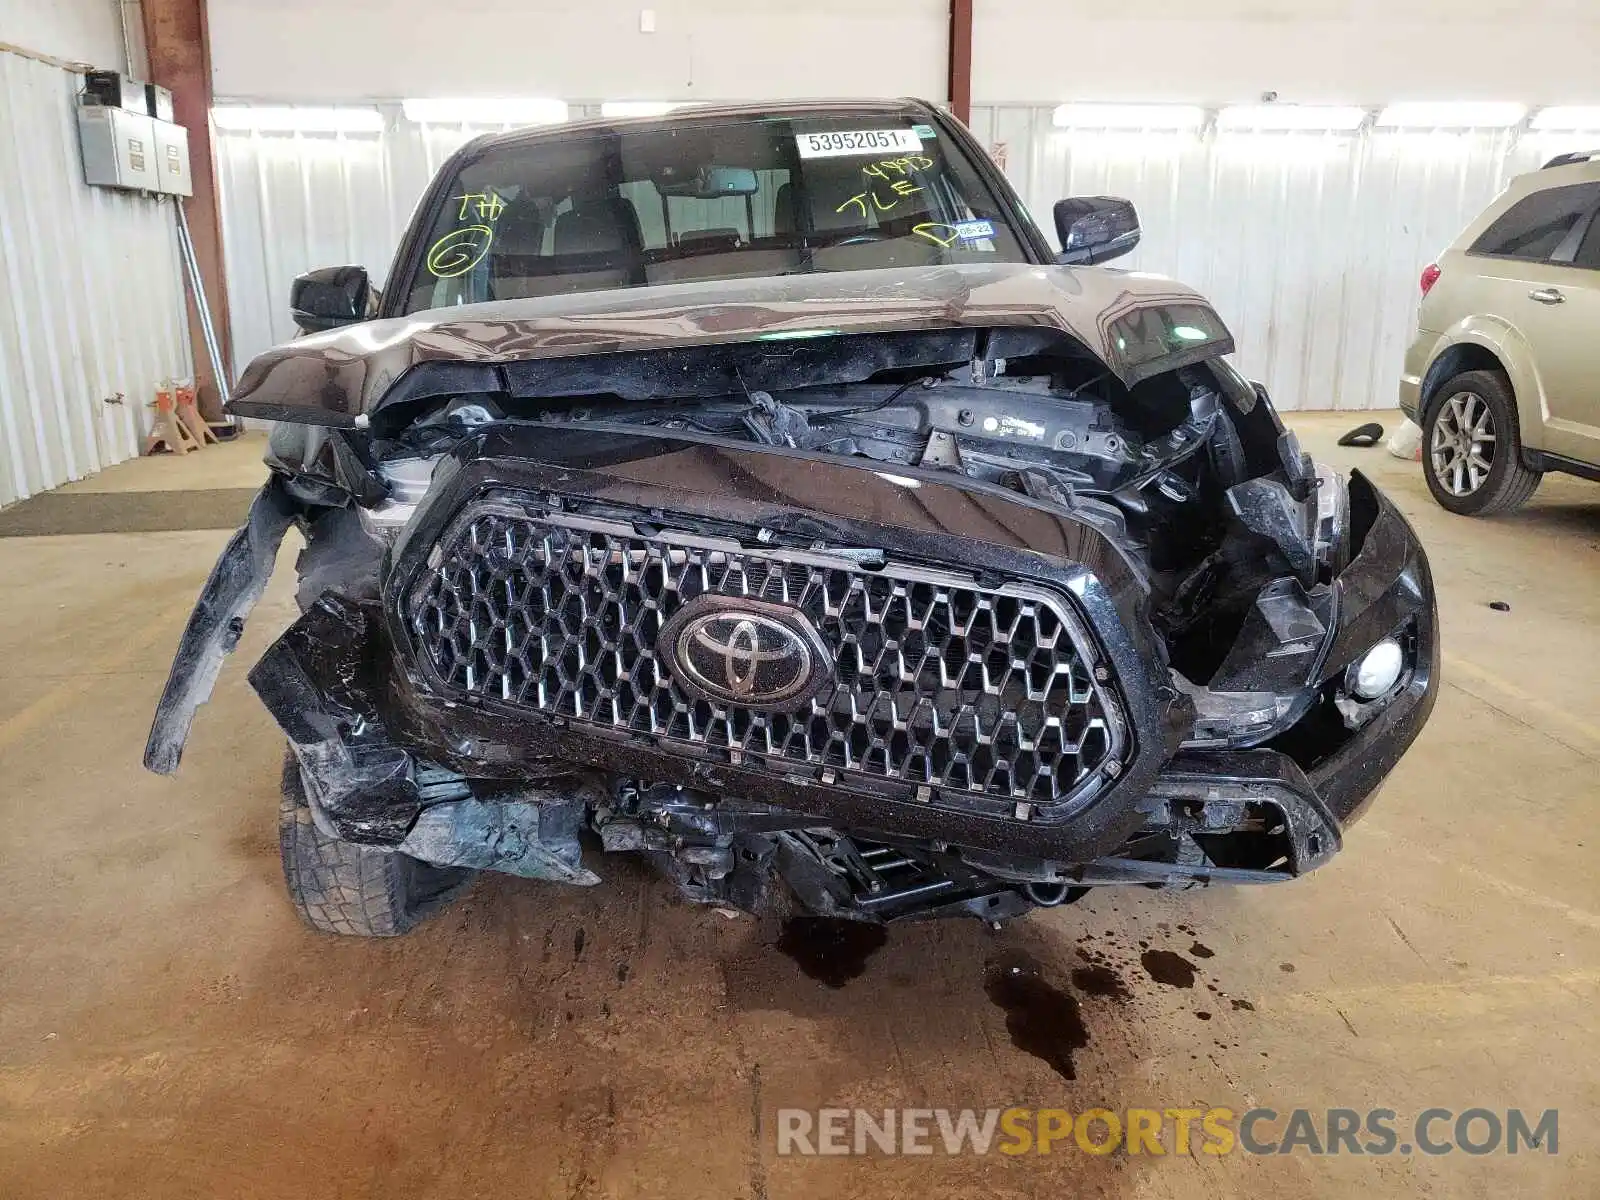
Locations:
1472 449
359 891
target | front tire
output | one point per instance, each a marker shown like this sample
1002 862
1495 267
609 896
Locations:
357 891
1472 447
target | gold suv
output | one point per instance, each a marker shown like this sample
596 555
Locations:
1504 374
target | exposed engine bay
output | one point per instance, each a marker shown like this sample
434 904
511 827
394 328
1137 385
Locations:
1214 501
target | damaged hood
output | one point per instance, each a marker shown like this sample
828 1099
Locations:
338 377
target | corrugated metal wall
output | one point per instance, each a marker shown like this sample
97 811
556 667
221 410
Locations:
1309 244
91 300
294 201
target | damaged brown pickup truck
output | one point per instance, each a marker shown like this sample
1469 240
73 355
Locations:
755 490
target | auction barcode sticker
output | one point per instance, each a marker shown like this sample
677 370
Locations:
857 141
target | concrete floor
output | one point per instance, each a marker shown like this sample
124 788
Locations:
167 1026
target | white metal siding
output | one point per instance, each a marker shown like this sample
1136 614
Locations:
1309 244
291 202
91 302
1311 51
295 201
313 51
68 30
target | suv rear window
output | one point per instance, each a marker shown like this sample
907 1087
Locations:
1534 226
701 200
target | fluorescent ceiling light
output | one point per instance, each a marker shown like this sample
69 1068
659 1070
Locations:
275 119
474 111
1569 116
642 108
1291 116
1128 116
1470 115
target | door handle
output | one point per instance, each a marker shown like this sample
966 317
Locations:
1547 296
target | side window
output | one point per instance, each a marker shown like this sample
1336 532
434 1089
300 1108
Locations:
1534 226
1589 248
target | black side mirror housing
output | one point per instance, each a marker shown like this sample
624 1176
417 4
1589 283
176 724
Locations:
330 297
1095 229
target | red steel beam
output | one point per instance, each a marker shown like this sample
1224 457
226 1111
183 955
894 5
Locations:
179 47
961 60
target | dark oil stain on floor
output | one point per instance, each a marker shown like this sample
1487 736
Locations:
1042 1020
1101 980
831 951
1169 968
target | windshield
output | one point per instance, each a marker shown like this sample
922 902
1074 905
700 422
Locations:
707 200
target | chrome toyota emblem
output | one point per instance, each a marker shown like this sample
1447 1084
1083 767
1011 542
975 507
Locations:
745 652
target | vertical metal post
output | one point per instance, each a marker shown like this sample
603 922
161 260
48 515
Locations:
197 291
961 60
176 42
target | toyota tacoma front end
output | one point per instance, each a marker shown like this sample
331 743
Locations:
904 589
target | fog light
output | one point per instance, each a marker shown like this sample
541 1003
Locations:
1376 671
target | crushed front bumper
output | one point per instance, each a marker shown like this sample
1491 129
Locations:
379 748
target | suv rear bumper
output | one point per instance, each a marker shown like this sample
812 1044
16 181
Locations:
1411 397
1420 355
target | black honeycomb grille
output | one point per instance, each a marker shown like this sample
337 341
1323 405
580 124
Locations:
936 682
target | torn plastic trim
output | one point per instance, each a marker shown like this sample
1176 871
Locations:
1204 797
320 682
1385 589
534 836
231 591
1387 583
327 467
1218 786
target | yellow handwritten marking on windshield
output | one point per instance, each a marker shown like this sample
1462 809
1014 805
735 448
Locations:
900 187
458 251
898 166
861 204
926 230
485 205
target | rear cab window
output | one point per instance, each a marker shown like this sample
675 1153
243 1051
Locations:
714 199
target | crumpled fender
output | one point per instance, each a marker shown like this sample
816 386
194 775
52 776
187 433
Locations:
235 585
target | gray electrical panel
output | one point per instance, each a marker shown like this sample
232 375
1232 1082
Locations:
125 149
159 100
119 148
172 158
115 90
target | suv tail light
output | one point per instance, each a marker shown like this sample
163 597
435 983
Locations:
1430 276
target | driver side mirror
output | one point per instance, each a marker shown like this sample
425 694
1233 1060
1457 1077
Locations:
1095 229
330 297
